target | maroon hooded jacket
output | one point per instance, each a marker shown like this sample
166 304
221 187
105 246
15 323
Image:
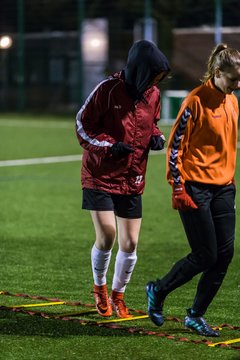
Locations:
121 108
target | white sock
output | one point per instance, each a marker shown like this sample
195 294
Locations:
100 261
124 265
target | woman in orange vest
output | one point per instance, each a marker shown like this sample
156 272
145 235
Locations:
201 164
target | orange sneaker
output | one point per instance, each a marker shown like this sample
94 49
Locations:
102 302
119 305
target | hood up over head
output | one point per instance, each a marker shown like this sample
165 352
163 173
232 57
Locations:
145 61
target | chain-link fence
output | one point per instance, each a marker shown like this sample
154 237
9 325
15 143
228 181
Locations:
60 50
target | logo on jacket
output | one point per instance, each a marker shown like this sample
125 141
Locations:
139 179
117 106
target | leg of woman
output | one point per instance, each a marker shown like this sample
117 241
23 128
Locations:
223 213
128 234
105 228
200 231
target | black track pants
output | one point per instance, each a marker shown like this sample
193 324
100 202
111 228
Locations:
210 231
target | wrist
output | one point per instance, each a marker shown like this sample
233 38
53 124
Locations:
178 187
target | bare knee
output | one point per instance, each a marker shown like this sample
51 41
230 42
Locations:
128 233
105 238
128 245
105 229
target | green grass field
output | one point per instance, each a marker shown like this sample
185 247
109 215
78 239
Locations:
45 248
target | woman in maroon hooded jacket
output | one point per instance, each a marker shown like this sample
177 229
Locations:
117 126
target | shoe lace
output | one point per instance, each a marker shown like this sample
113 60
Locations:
120 304
103 296
201 324
205 325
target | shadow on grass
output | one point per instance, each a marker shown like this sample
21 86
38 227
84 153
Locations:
26 325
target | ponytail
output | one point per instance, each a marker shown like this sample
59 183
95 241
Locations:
221 57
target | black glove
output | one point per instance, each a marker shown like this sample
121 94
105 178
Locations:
119 149
157 142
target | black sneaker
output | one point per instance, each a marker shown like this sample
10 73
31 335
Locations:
155 304
200 325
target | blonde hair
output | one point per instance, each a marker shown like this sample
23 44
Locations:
221 57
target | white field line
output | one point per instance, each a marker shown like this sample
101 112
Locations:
51 160
58 159
44 160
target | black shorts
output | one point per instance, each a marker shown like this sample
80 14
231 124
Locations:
125 206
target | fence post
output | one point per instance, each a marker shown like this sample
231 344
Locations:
81 16
21 56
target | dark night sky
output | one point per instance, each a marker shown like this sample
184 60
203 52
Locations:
42 15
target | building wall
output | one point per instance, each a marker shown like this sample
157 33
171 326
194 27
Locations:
191 49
